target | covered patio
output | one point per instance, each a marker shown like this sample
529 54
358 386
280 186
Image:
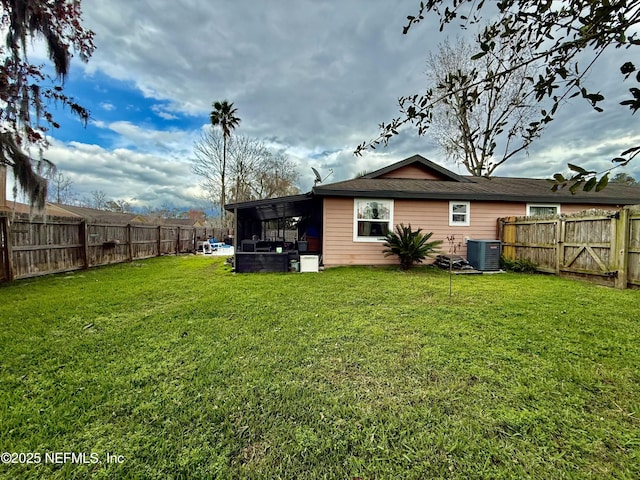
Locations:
272 234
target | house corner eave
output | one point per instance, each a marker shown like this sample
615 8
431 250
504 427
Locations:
425 164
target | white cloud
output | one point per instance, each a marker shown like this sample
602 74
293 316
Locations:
314 79
130 135
163 113
126 174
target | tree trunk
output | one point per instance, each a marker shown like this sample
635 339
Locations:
223 198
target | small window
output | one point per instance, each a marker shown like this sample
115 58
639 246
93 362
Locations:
373 220
459 214
542 210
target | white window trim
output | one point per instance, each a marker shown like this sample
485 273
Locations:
544 205
356 238
467 221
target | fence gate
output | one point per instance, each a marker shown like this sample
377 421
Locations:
587 245
603 246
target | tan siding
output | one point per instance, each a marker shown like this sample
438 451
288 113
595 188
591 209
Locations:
432 216
414 172
338 246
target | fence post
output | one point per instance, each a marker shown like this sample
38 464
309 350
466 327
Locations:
622 248
84 238
559 239
159 230
130 242
507 235
8 251
178 241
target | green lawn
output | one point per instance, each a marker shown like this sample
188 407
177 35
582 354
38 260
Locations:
186 370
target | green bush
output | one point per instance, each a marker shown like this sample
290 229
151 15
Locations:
411 247
521 265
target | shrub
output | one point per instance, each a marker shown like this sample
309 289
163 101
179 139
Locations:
411 247
521 265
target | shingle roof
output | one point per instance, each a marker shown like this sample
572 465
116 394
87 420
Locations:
183 222
94 215
506 189
274 208
50 209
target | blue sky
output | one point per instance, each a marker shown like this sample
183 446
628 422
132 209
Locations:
311 78
110 100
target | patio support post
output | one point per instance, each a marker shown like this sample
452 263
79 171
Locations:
235 229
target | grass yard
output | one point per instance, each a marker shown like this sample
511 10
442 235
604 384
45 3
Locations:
176 368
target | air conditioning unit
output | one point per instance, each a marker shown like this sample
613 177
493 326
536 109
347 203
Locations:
484 255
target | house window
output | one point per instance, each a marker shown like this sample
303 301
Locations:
540 210
373 219
459 214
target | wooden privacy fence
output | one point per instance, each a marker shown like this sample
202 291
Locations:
602 246
30 248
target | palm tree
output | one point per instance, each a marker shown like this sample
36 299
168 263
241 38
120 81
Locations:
410 246
224 114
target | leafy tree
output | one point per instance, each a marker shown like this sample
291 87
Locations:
224 115
119 206
566 37
485 132
410 246
24 98
194 214
624 179
165 211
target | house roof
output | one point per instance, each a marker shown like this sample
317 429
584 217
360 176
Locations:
95 215
456 187
443 185
184 222
49 209
274 208
421 162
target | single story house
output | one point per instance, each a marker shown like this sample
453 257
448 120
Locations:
346 221
183 222
95 215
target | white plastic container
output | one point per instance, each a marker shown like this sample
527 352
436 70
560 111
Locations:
309 263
